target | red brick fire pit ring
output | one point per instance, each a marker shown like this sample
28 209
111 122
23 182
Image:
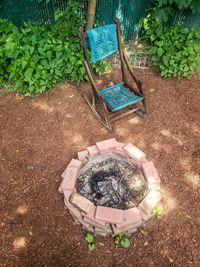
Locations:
107 221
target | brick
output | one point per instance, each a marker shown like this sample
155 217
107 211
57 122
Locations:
130 217
75 213
150 201
69 180
131 231
103 234
67 194
106 229
135 153
82 155
81 202
138 163
87 227
93 151
73 163
150 173
119 147
106 145
124 229
110 215
147 216
89 218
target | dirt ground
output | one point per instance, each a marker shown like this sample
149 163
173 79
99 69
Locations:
40 135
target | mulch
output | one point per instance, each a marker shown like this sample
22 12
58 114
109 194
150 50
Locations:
40 135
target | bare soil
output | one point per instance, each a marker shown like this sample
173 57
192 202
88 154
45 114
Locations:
40 135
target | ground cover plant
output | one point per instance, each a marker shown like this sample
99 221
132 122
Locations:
34 58
175 50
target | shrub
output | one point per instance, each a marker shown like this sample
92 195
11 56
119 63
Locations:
175 50
34 58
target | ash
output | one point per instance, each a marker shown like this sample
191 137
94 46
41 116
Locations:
111 181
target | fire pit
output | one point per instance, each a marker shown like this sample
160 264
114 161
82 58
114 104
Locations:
112 188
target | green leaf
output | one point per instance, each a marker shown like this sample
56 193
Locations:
170 259
60 103
26 47
134 245
89 238
144 232
30 233
82 70
188 216
125 243
28 73
19 84
101 244
153 50
91 247
78 244
146 243
160 51
165 60
49 54
151 90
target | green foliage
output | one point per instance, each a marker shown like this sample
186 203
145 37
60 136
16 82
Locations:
123 241
89 238
175 50
162 10
34 58
158 212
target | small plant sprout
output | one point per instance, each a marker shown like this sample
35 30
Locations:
101 244
121 240
144 232
134 245
158 212
60 103
30 233
91 247
170 259
78 243
151 90
146 243
89 238
188 216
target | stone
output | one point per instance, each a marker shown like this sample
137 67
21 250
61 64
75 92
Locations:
110 215
119 148
70 177
147 216
81 202
89 218
150 173
82 155
135 153
130 217
93 151
106 145
73 163
118 230
150 201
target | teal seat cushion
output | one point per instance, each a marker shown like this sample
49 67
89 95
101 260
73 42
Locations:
102 42
118 97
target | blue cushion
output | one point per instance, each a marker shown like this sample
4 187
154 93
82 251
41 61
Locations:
118 97
103 42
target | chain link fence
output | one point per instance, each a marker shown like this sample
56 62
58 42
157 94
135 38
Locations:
128 11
